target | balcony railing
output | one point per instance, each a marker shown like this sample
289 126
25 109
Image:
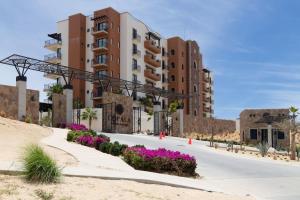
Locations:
152 61
136 37
102 46
151 45
52 57
136 52
136 67
96 62
149 74
100 31
52 42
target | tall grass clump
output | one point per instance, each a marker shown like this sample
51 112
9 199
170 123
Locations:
263 148
39 166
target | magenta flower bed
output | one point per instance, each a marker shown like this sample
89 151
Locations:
77 127
161 160
90 141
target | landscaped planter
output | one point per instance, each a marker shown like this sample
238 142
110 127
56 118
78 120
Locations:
161 160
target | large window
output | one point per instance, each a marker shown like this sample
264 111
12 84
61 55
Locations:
101 59
172 52
173 78
134 48
173 65
101 42
102 26
134 33
280 135
134 63
253 134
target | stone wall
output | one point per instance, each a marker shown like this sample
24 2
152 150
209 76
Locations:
9 102
58 109
256 119
194 124
120 113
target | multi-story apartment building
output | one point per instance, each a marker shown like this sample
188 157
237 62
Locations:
119 45
207 93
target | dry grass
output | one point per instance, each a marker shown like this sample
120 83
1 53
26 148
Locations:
224 136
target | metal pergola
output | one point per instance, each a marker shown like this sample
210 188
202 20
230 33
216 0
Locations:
22 64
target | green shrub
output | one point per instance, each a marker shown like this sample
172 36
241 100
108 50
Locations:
73 135
38 166
298 151
115 149
43 194
263 148
105 147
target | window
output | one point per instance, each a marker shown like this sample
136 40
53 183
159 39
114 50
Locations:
102 26
163 64
88 60
173 78
163 78
182 79
163 104
134 33
182 67
102 42
173 65
101 59
195 88
280 135
173 89
163 52
101 73
182 91
88 30
195 112
172 52
134 78
195 65
134 48
253 134
134 63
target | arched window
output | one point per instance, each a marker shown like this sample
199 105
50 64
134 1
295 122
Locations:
195 65
195 88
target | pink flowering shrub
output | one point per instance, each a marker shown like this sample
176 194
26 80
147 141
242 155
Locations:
92 141
161 160
77 127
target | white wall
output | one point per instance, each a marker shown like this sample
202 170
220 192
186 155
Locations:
63 29
89 56
145 123
96 124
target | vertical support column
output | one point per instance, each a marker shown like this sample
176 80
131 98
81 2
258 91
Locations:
156 117
21 82
270 135
68 91
180 118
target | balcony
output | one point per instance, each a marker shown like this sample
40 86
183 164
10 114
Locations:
136 38
152 61
136 68
54 58
207 109
52 44
97 94
99 63
100 47
100 31
150 75
151 45
51 76
136 52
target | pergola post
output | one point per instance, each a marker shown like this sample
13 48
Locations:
270 135
68 92
21 83
156 118
180 118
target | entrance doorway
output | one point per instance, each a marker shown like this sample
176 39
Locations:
264 135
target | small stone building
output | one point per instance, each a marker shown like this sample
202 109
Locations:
265 125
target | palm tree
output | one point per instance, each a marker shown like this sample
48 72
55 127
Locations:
90 115
56 88
294 112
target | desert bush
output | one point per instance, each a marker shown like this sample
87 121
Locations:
39 166
43 194
28 119
160 160
3 114
298 151
263 148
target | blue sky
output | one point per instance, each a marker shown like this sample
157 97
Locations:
252 46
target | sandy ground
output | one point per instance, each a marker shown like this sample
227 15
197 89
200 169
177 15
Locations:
16 135
271 156
13 187
224 136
